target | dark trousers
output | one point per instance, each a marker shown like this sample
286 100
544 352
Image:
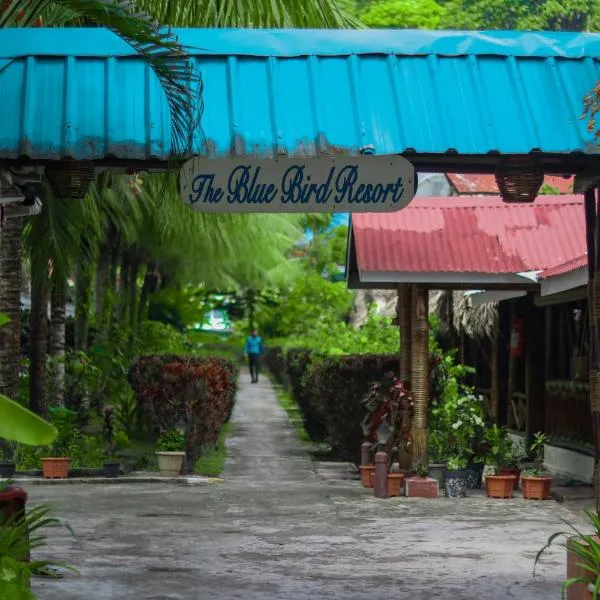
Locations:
254 363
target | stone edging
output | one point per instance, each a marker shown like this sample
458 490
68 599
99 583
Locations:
24 481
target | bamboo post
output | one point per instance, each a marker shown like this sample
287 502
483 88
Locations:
403 315
420 375
591 223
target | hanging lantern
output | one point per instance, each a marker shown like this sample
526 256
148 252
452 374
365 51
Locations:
519 180
70 179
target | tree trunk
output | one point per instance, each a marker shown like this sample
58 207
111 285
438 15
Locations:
58 302
133 291
38 338
10 305
101 284
420 375
124 288
149 287
83 297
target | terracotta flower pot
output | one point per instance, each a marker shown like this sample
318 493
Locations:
367 473
511 471
55 468
500 486
578 591
536 488
394 481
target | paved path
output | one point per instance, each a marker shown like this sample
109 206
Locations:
277 531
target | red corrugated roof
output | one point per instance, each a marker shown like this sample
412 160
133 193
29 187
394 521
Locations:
474 234
571 265
486 184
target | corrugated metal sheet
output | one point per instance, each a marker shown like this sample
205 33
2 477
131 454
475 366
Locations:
84 93
486 184
574 264
471 234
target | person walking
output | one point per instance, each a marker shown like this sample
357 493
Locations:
253 348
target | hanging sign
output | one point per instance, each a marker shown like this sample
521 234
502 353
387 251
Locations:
340 184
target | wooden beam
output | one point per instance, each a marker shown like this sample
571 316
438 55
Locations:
535 372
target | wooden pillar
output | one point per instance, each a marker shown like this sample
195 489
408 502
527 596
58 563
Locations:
535 371
420 375
494 379
404 314
593 247
549 340
510 388
503 358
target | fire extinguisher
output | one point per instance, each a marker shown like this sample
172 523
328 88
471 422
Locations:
517 338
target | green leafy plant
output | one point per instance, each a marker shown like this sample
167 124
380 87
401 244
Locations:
171 441
20 534
457 463
18 424
537 451
65 422
108 431
500 446
422 470
587 550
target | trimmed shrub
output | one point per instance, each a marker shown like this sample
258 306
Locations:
275 360
338 386
196 391
298 363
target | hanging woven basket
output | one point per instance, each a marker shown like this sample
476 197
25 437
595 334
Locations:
519 181
70 179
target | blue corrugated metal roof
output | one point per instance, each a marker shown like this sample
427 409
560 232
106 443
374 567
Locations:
84 93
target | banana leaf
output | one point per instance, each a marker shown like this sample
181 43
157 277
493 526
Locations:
18 424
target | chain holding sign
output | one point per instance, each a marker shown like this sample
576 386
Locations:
340 184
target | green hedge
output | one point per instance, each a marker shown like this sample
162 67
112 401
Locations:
337 386
329 391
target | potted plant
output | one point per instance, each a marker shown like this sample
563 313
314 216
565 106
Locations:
535 483
421 485
583 559
56 466
112 467
499 447
456 482
170 453
7 464
388 404
511 464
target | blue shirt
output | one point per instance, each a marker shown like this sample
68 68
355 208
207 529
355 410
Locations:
254 345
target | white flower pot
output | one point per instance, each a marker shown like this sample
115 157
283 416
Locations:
169 463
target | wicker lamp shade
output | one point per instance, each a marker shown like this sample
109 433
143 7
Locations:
70 179
519 181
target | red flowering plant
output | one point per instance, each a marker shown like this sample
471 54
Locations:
389 405
196 391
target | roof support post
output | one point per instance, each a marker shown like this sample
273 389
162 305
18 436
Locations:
420 375
592 224
404 321
535 372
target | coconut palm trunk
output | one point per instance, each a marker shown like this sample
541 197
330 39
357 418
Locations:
10 305
58 329
83 297
38 337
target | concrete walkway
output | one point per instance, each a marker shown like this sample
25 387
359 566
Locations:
275 530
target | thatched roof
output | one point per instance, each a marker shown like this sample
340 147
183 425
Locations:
457 312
